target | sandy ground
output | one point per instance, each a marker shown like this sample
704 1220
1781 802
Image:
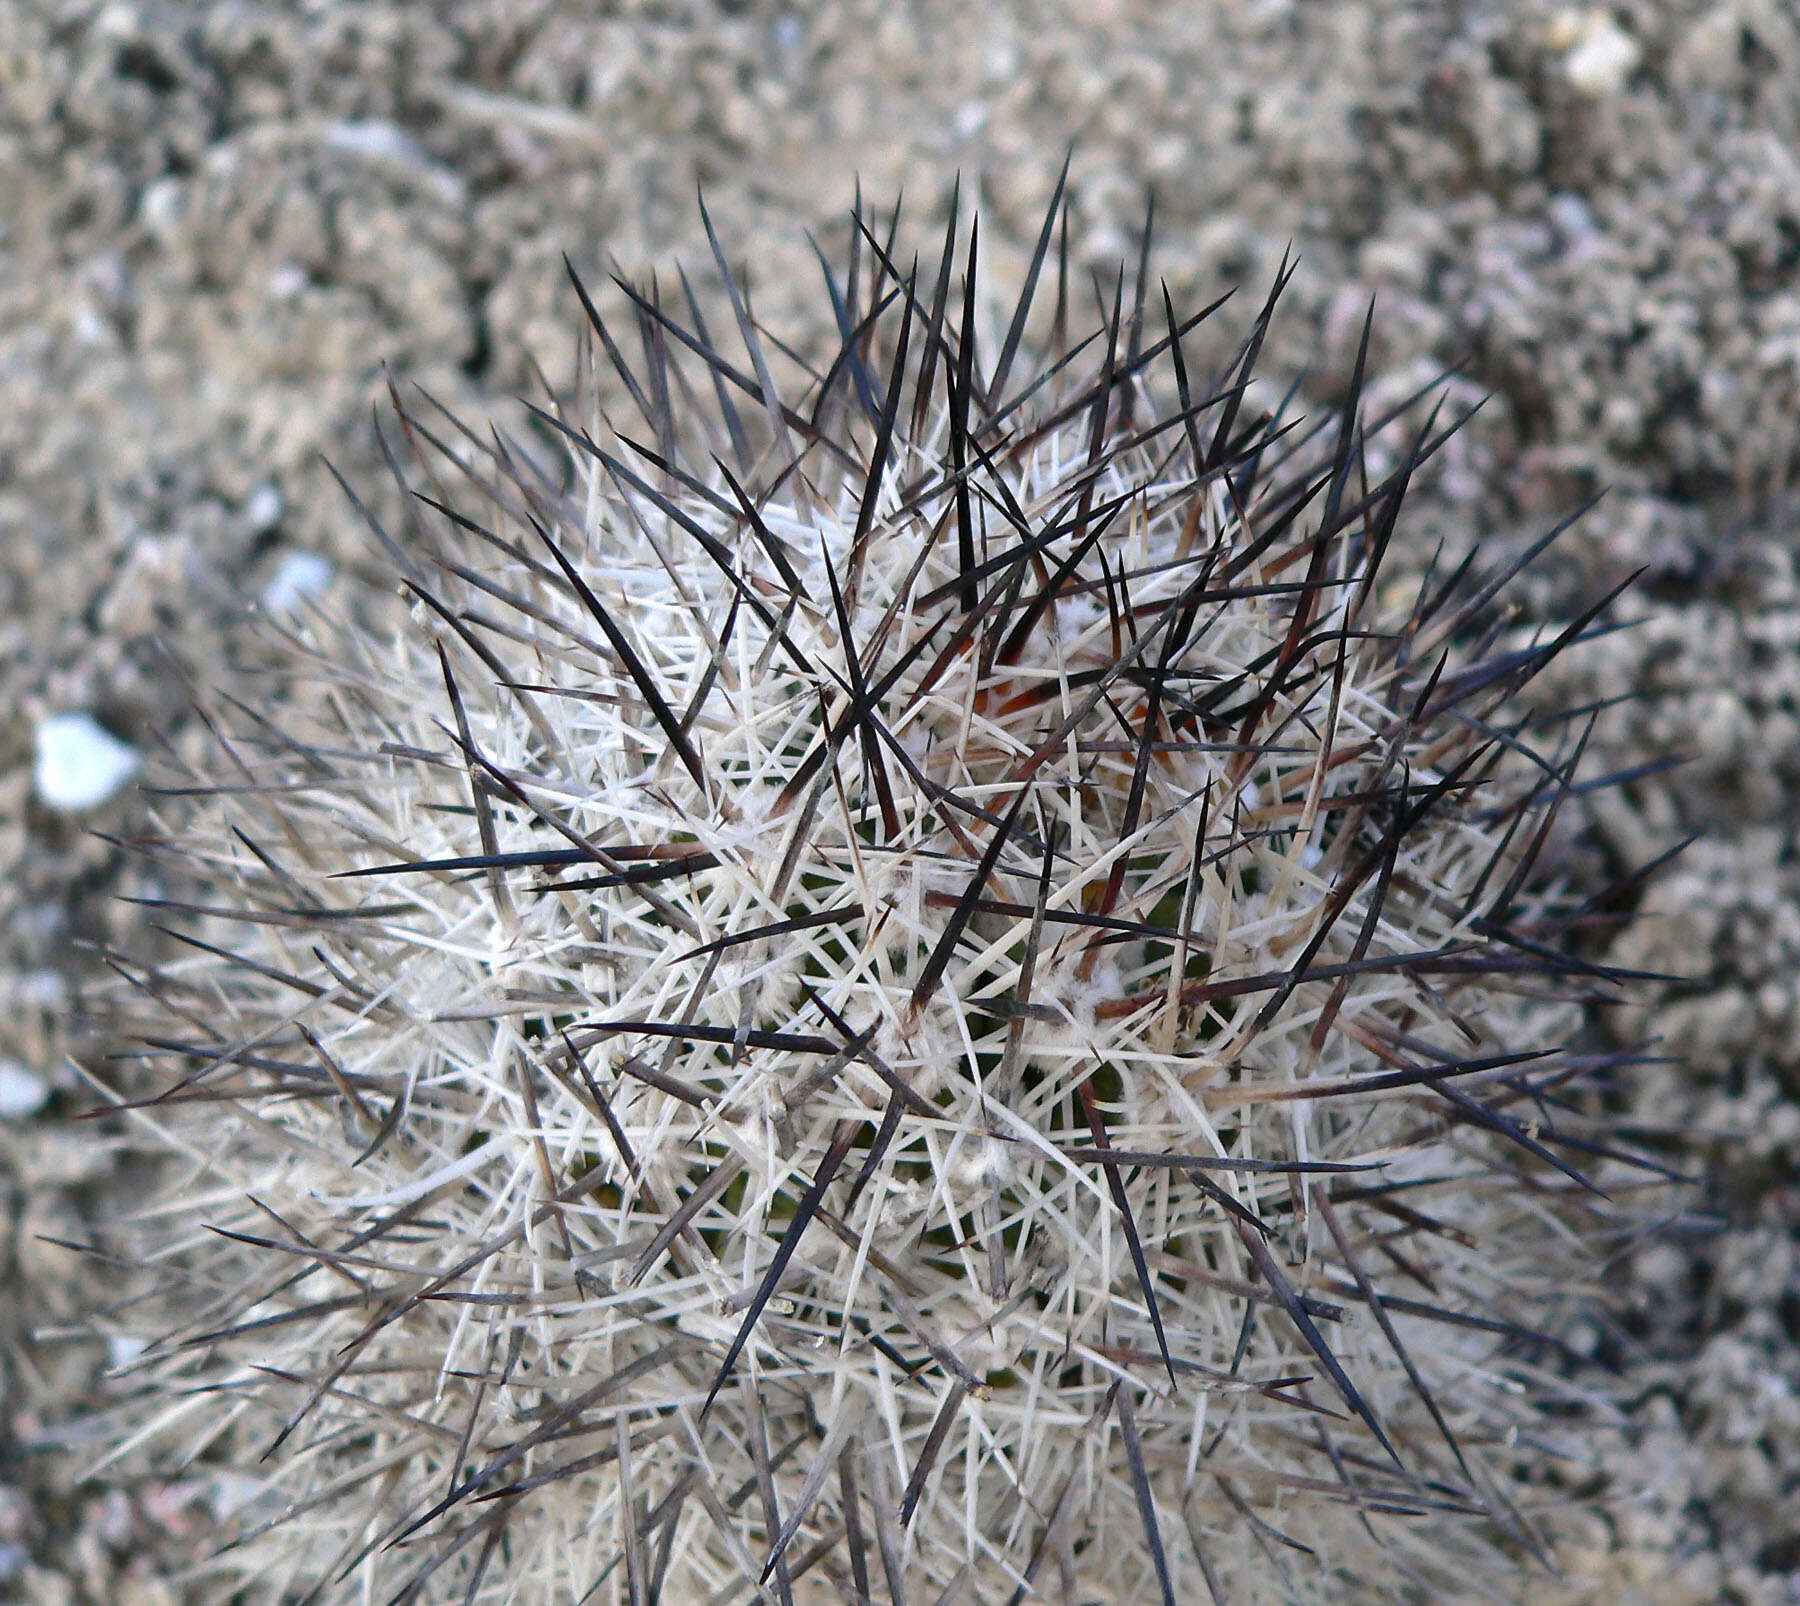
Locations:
220 222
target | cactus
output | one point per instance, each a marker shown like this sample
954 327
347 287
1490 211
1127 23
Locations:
911 980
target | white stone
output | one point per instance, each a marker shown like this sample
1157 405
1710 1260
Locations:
1599 56
161 207
79 764
22 1092
300 575
124 1348
263 509
970 118
376 140
288 281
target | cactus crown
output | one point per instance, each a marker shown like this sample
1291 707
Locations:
913 978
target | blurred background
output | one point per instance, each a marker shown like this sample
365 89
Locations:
223 222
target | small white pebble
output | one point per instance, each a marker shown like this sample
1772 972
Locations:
79 764
375 139
118 24
287 281
1599 56
22 1092
263 509
91 329
379 141
300 575
161 207
124 1348
969 119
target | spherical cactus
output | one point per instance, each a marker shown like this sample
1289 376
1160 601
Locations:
912 981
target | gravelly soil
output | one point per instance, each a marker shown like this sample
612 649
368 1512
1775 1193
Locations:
221 223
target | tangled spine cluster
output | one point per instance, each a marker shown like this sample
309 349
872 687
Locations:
911 984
